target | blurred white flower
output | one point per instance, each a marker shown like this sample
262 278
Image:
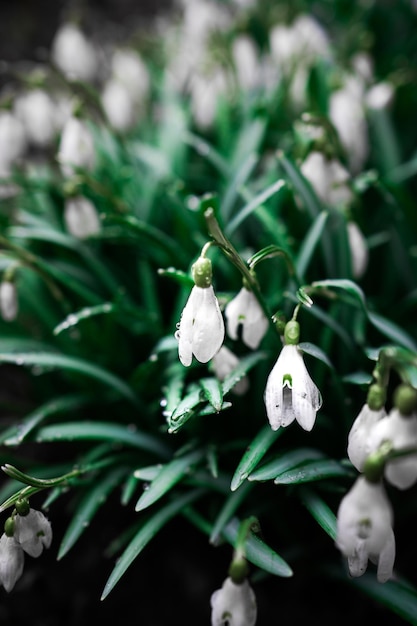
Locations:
246 62
38 113
380 96
346 112
8 300
224 362
290 394
358 449
33 532
81 217
201 328
13 141
401 432
233 604
364 529
118 105
76 147
12 560
206 92
74 54
128 68
358 249
328 178
244 310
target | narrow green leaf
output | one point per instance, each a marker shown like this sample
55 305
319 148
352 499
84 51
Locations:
310 242
301 186
258 552
61 361
399 596
358 378
228 509
74 318
185 409
254 453
213 392
245 364
102 431
236 183
169 476
320 511
179 276
316 470
316 352
249 208
285 462
91 501
144 535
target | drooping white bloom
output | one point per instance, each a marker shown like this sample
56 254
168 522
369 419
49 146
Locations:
128 69
246 62
12 560
118 105
38 113
12 139
380 96
244 310
234 605
358 449
328 178
201 328
206 93
76 148
73 53
358 249
364 529
290 394
224 362
81 217
8 300
33 532
346 112
401 432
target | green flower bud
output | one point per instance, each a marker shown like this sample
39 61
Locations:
22 507
376 398
292 333
9 527
202 272
405 399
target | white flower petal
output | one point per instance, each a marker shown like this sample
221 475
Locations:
33 532
357 439
234 605
208 331
11 562
244 310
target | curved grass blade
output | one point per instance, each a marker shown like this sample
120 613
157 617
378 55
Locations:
316 470
63 404
145 533
168 476
91 501
239 179
320 511
252 205
400 597
285 462
258 552
102 431
213 391
254 453
61 361
241 370
74 318
310 242
227 511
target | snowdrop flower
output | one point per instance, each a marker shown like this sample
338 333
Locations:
364 529
328 178
401 432
224 362
118 105
76 148
290 394
128 69
37 111
201 327
33 532
12 139
358 449
12 560
346 112
73 54
81 218
358 249
8 300
206 92
245 311
233 604
246 62
380 96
